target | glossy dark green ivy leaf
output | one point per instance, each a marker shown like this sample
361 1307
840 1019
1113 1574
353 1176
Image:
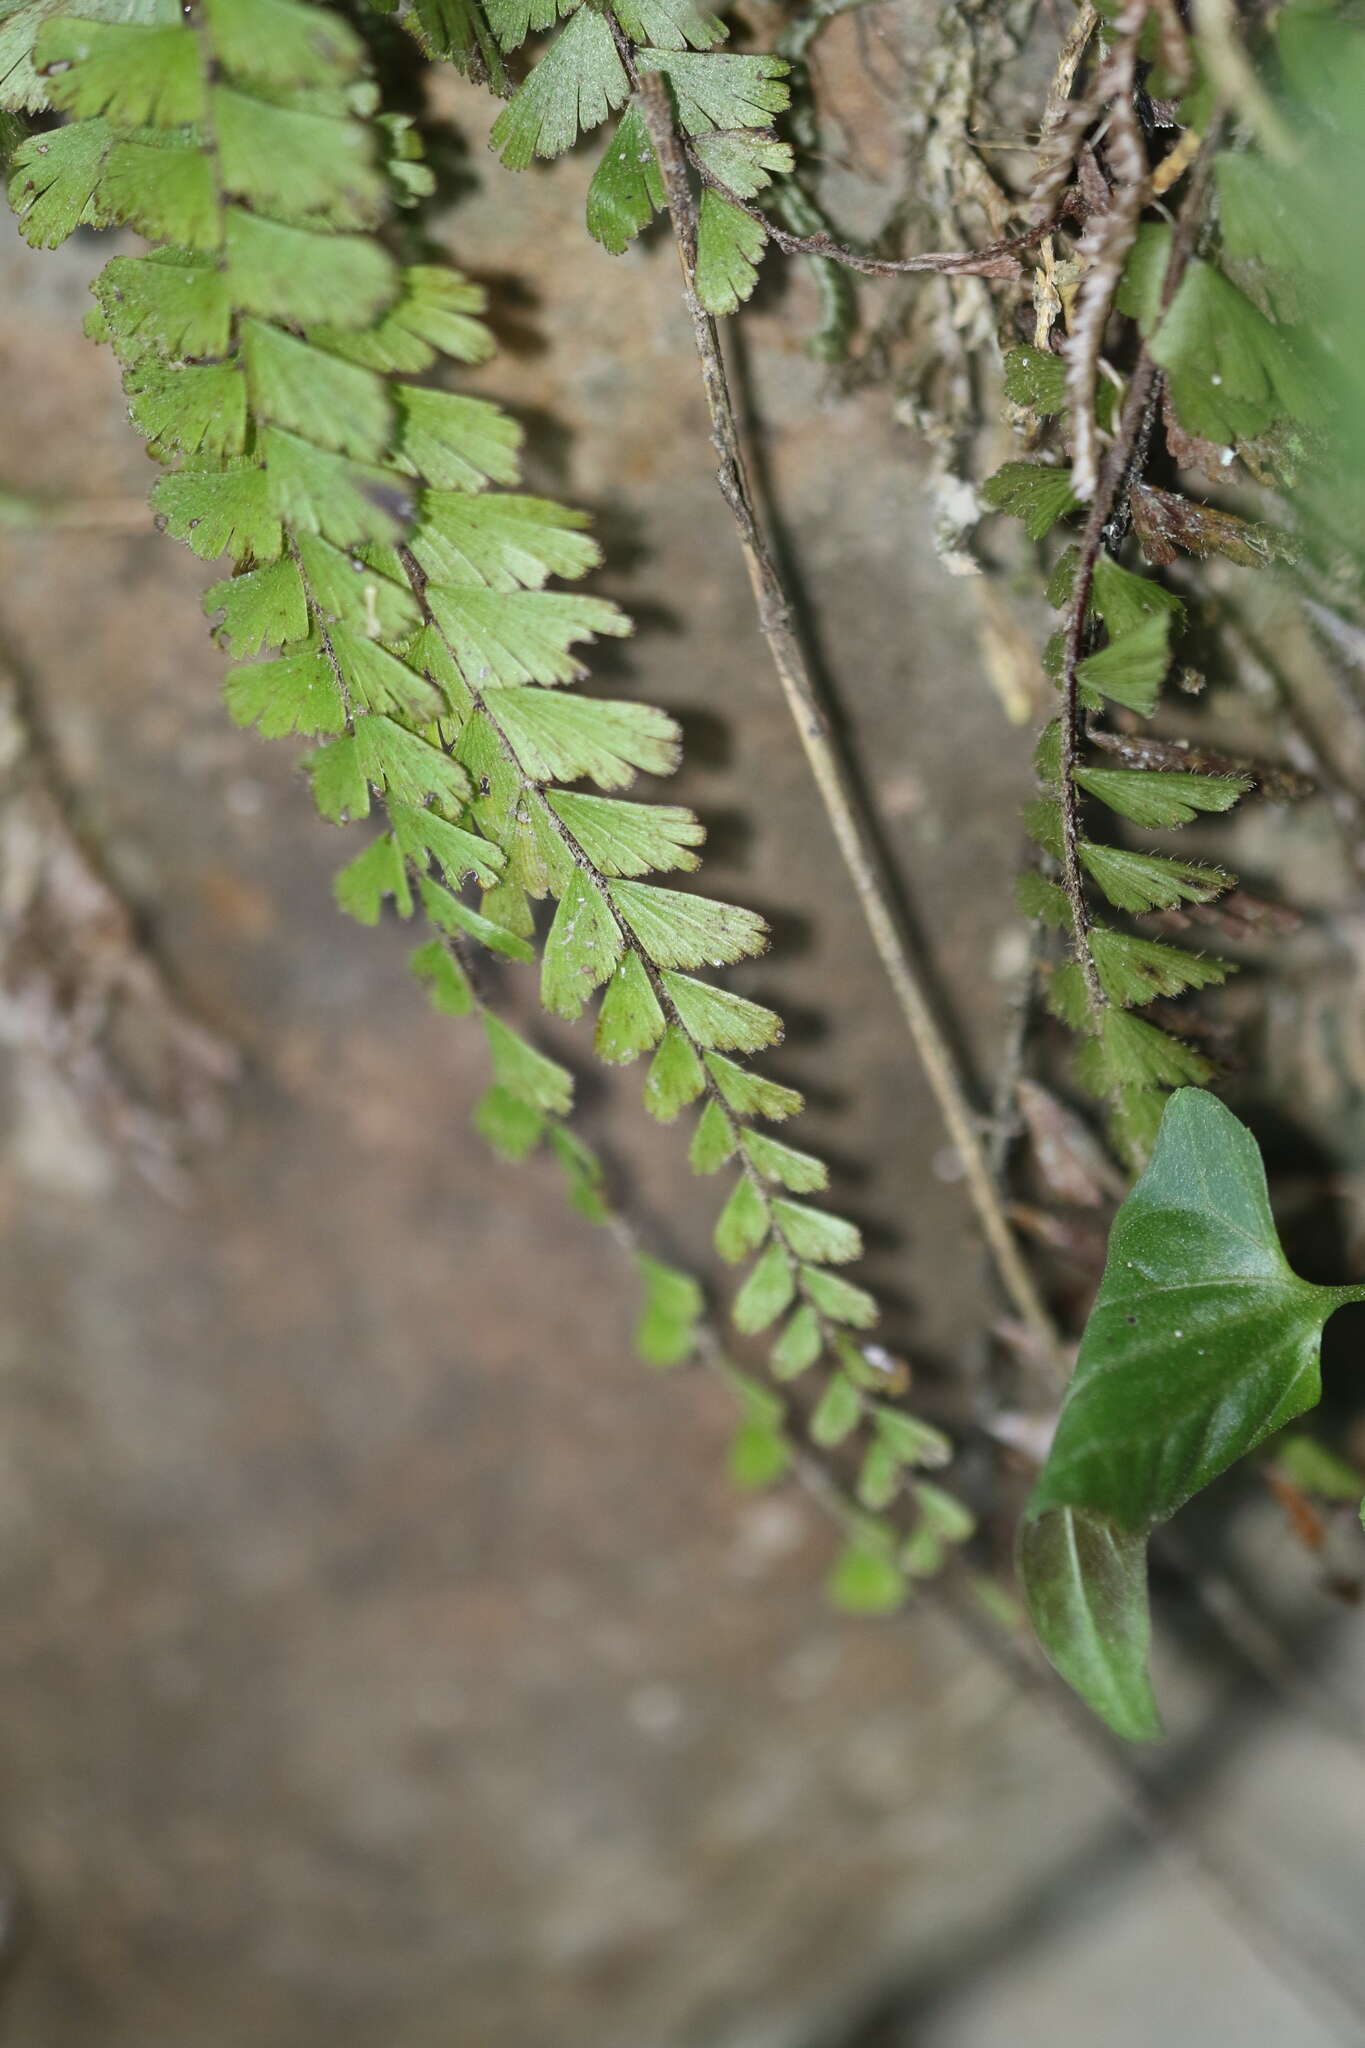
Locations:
1085 1583
1201 1344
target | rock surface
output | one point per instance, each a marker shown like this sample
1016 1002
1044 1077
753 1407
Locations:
385 1656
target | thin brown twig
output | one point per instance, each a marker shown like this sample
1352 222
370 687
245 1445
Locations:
835 786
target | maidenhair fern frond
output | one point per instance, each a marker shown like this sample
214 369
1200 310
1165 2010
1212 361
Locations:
389 601
1232 378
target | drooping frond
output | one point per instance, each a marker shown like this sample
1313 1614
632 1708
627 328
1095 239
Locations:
389 599
1233 373
1125 1060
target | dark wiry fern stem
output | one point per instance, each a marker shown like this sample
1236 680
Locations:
1106 524
1106 508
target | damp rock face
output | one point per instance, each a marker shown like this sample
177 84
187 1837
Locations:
385 1656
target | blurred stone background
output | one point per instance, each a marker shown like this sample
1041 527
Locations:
384 1655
